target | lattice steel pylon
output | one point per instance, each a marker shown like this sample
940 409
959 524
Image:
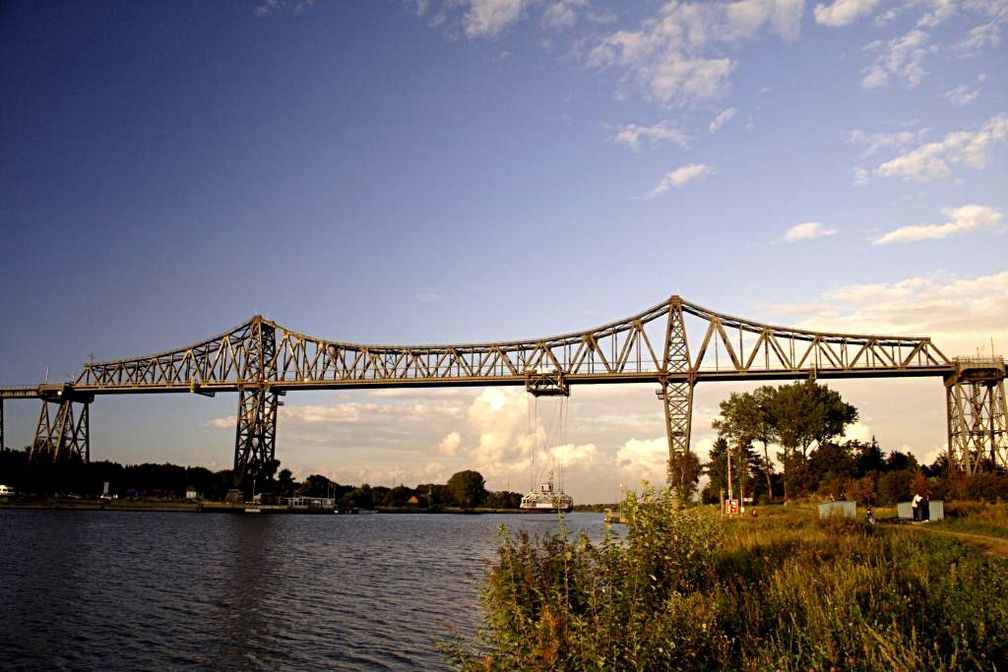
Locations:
977 415
61 436
677 398
255 435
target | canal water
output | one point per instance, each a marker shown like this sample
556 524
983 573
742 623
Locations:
94 590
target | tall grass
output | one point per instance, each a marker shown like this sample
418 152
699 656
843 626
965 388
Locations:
685 590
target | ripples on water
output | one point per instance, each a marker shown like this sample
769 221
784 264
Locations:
157 591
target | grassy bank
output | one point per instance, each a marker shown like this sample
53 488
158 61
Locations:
688 590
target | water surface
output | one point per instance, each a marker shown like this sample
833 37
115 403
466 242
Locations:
87 590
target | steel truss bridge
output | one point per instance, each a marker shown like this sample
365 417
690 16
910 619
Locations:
674 345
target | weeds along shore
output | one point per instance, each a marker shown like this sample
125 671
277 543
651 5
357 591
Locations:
688 590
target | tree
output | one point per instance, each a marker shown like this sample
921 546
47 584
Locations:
468 488
764 431
739 423
802 414
683 473
717 468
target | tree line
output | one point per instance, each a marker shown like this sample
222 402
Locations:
465 489
803 423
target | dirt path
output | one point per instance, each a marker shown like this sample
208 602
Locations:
995 546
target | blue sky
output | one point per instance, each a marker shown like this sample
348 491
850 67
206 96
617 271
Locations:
474 170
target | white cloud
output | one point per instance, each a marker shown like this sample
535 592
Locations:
901 58
960 314
987 35
450 444
935 160
644 460
272 6
667 55
961 95
939 11
861 177
876 142
964 219
843 12
679 177
721 119
994 8
808 231
562 14
665 131
488 18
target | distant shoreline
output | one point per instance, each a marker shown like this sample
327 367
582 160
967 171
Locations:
224 507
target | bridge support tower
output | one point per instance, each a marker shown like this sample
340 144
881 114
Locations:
676 395
255 435
63 433
977 415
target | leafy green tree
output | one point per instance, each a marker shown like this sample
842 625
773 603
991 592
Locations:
683 473
468 488
802 414
717 468
739 423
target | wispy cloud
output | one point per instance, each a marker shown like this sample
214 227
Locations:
808 231
961 95
901 58
984 36
843 12
269 7
721 119
934 160
665 131
488 18
938 11
876 142
680 176
958 313
562 14
670 55
965 219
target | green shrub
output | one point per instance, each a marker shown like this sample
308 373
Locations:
688 590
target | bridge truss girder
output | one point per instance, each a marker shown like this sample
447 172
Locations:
977 416
675 344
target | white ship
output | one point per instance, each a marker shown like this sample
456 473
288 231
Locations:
546 498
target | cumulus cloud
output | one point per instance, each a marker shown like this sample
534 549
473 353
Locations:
901 58
934 160
670 54
644 459
965 219
843 12
665 131
680 176
808 231
721 119
450 444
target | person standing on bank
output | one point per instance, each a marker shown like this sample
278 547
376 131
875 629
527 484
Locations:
917 499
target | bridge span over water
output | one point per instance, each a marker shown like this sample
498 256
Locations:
674 345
